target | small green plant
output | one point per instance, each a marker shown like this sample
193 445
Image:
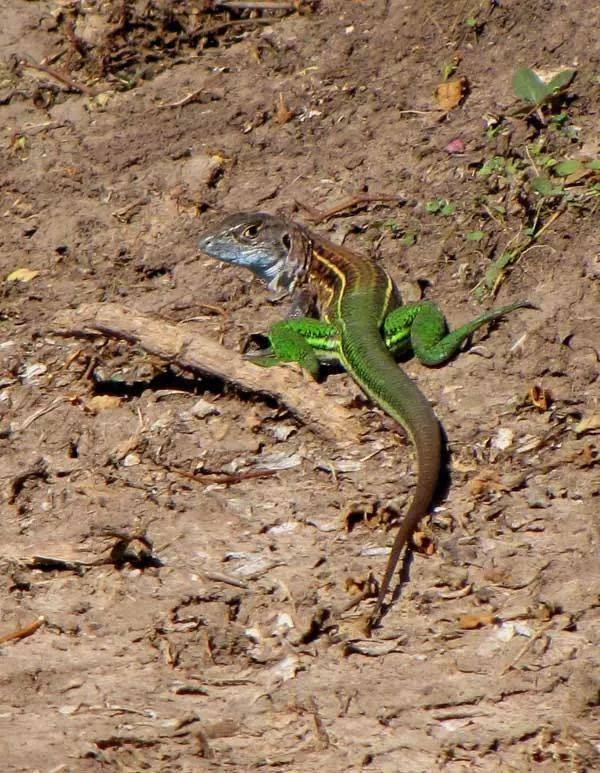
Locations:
449 69
473 23
548 184
535 92
391 224
474 236
568 172
406 238
440 207
500 165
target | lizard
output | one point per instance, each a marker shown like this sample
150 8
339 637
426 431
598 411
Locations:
361 324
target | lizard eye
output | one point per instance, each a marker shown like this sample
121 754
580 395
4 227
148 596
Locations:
252 231
286 241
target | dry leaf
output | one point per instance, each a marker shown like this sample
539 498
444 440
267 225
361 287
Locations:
283 114
540 397
125 447
362 513
587 457
22 275
468 622
358 587
578 175
423 543
203 408
455 146
451 93
486 482
503 438
253 421
102 403
588 423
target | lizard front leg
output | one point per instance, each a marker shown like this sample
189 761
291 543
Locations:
304 340
422 327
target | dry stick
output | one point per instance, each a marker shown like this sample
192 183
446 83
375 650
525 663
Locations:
226 578
41 412
59 76
244 5
22 633
537 635
191 97
319 216
192 351
322 734
233 23
31 131
219 477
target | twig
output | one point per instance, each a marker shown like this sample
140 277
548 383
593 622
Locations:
125 214
267 5
346 606
23 633
319 216
422 112
191 350
526 647
219 577
61 77
191 97
42 411
209 307
43 127
232 23
220 477
322 734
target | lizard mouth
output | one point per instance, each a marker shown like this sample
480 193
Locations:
205 243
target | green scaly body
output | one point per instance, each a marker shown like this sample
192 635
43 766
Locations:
361 324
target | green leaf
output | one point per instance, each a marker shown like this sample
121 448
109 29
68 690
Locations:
565 168
471 22
529 86
434 206
594 164
560 119
408 239
448 70
494 164
560 80
474 236
544 186
447 209
496 269
392 224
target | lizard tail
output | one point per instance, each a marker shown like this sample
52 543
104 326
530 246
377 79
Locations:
380 377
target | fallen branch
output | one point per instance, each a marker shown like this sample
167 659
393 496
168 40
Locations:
192 351
23 633
319 216
61 77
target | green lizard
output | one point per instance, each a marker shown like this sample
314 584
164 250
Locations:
361 324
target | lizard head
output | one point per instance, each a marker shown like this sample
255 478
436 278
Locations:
274 249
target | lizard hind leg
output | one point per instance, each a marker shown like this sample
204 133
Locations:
430 339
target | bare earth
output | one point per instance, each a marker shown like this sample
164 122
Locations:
182 615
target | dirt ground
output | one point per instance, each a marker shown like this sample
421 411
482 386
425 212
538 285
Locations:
181 626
